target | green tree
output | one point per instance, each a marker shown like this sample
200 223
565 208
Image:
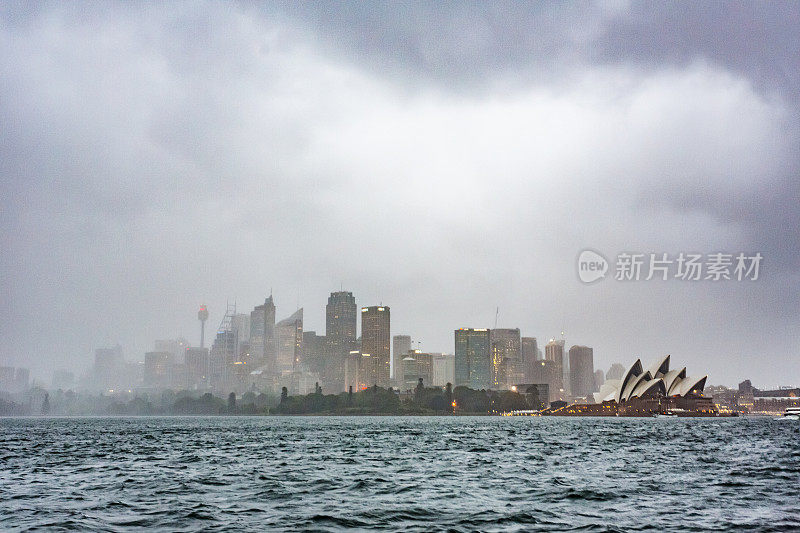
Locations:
232 402
284 394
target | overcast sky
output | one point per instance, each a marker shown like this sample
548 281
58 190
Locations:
442 159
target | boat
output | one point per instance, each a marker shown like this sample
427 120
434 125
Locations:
792 413
666 414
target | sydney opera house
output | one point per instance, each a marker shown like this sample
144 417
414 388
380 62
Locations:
640 392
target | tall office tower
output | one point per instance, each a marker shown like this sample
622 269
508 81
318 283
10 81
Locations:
196 362
401 345
241 325
473 361
289 333
581 371
545 372
444 369
407 374
615 372
108 365
340 336
375 339
176 347
530 354
599 379
424 367
262 334
530 349
506 357
351 370
313 358
221 359
554 351
158 369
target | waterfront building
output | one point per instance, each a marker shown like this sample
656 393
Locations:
658 389
554 351
221 358
158 367
351 366
581 371
472 358
340 338
536 394
774 401
313 355
444 370
506 357
196 363
263 347
176 347
108 366
289 334
375 339
547 372
424 366
401 345
410 373
530 354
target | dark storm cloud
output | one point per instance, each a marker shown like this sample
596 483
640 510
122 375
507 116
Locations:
444 158
475 46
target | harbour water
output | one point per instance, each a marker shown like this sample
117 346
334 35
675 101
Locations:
399 473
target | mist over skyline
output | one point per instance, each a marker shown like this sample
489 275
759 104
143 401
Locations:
442 159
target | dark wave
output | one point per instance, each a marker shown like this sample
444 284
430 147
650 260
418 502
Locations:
427 474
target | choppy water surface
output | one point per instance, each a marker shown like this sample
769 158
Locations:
459 474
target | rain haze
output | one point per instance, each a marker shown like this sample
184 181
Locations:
448 160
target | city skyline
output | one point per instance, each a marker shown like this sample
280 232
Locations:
440 163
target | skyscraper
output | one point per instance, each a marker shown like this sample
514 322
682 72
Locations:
401 345
444 369
530 349
313 358
473 363
530 353
581 371
375 338
158 368
546 372
340 338
196 360
262 334
289 333
108 365
554 351
506 357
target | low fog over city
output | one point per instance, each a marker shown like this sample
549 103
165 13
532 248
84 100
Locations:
449 162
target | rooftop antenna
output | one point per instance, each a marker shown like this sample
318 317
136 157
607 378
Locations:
496 314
